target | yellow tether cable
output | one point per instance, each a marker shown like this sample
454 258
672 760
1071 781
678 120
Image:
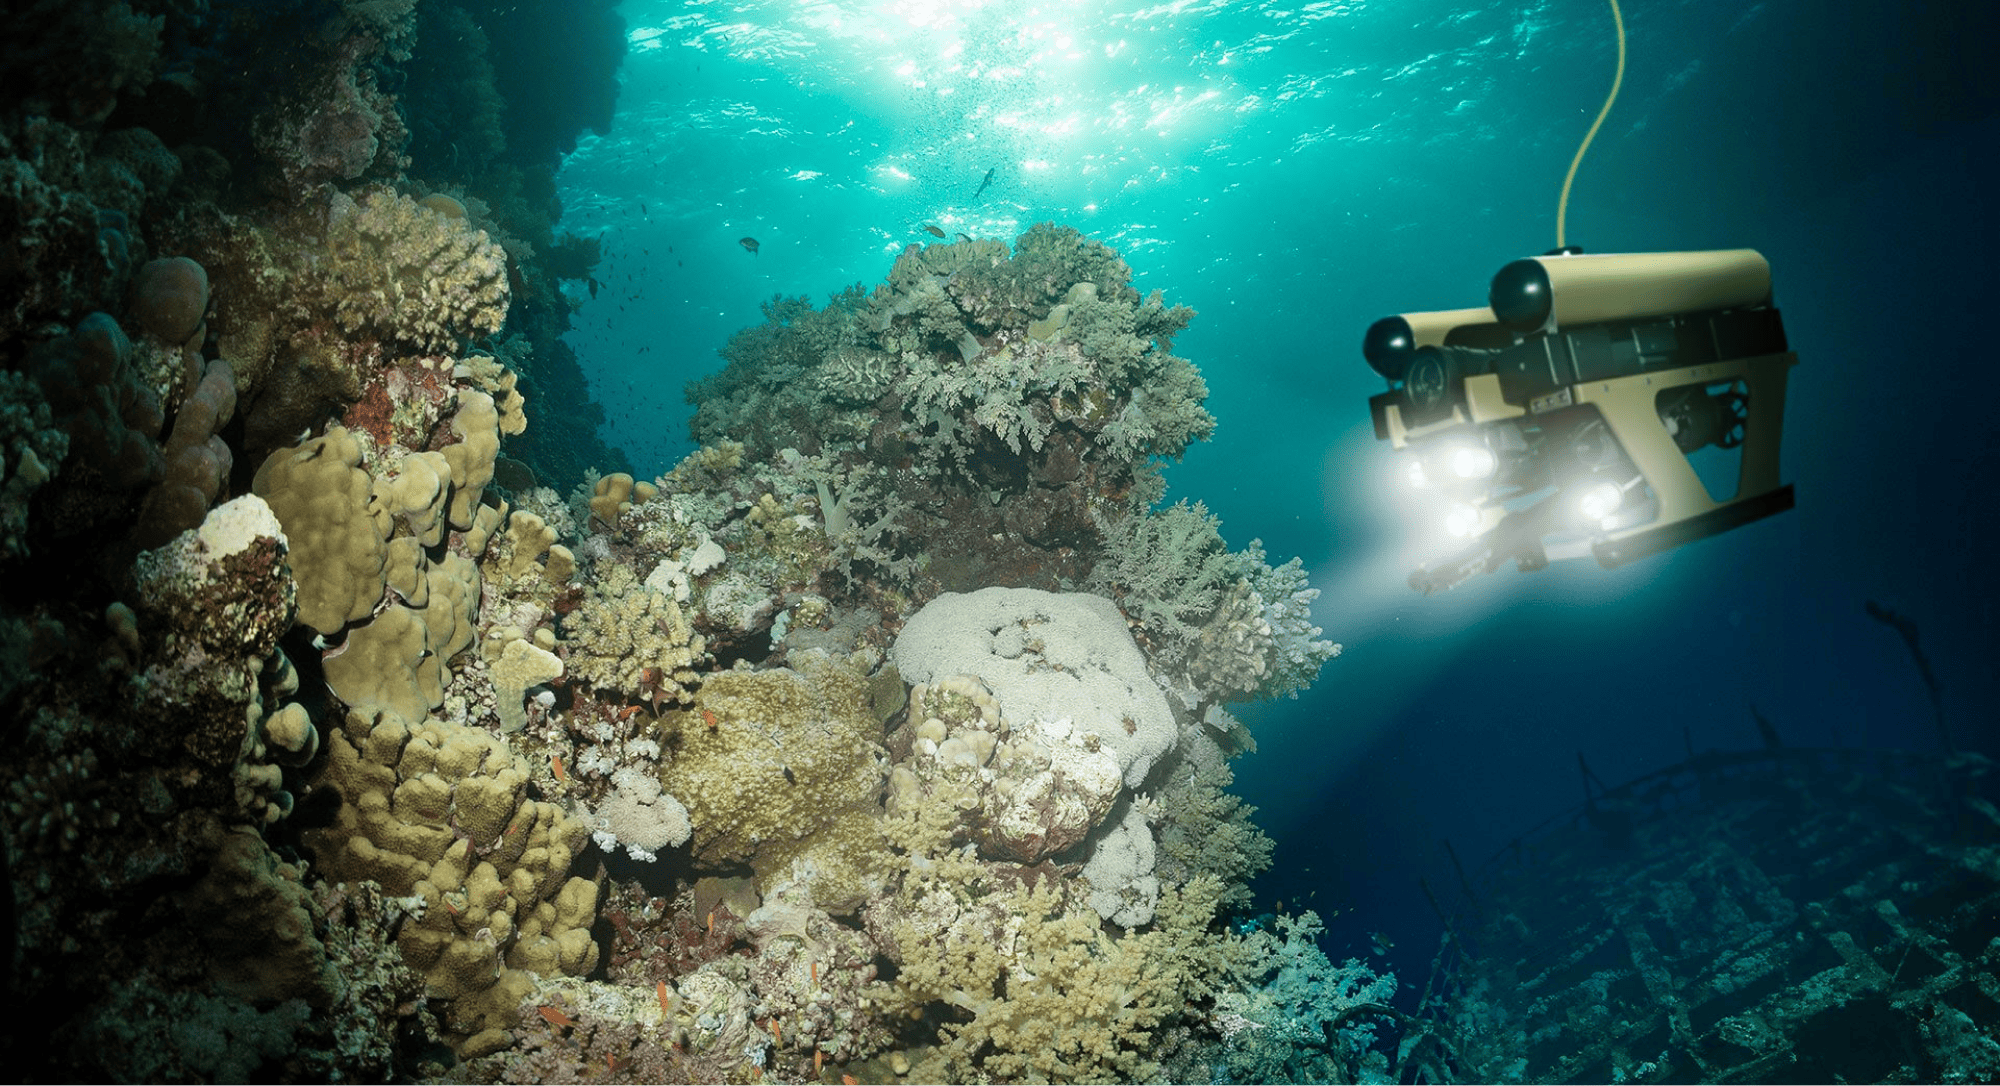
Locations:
1562 205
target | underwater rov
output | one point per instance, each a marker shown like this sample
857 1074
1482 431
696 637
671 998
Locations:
1560 420
1570 415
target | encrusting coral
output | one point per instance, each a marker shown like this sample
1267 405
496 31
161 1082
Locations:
781 766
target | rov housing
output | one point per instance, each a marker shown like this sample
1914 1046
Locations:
1566 416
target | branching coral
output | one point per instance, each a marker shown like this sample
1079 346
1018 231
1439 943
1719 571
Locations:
1207 830
1229 621
758 396
1297 652
1032 987
1278 1019
629 638
1169 569
966 344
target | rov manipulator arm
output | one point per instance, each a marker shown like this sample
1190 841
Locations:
1517 538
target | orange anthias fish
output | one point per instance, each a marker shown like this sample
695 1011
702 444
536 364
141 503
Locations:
748 243
933 231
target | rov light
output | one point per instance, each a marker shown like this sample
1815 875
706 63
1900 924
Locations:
1472 461
1462 521
1413 472
1601 500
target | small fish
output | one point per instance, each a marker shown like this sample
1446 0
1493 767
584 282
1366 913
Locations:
965 238
1383 944
933 231
748 243
593 287
555 764
983 184
642 207
666 1006
557 1018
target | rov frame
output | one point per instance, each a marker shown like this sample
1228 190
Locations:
1671 351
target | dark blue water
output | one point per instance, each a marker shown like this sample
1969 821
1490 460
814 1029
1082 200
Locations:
1294 173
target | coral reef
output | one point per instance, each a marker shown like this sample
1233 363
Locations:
353 714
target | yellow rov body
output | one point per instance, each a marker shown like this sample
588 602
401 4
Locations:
1574 412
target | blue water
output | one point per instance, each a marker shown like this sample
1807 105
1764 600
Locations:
1295 172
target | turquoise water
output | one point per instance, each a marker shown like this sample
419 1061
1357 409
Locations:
1294 172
